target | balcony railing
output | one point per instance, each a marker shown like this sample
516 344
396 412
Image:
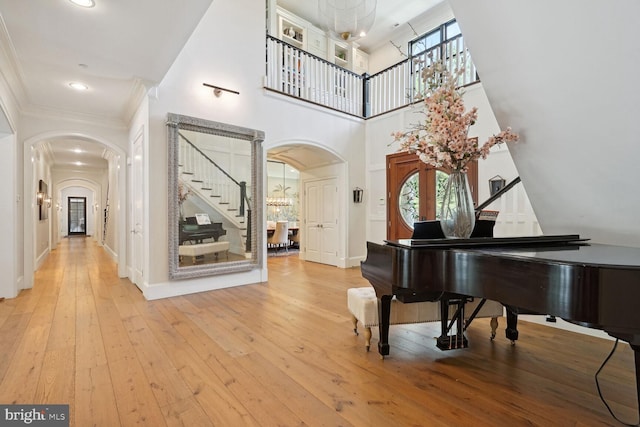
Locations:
297 73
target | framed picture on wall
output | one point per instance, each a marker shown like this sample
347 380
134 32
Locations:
43 197
496 184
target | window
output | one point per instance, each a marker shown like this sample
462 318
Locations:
443 43
434 37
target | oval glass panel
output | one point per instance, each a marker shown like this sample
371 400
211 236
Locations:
409 200
441 181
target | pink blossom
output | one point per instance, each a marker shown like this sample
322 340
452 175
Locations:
442 139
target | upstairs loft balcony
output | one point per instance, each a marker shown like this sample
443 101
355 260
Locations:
297 73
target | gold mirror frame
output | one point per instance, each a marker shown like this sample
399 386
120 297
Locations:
253 200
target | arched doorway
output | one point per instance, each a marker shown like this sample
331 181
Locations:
320 171
61 158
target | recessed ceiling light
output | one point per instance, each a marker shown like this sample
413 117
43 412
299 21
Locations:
83 3
77 150
78 86
78 163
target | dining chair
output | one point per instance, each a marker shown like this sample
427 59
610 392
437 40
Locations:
280 236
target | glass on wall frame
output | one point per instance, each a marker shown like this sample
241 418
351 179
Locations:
409 197
441 182
215 189
409 200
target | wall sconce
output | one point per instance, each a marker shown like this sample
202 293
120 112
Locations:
496 184
357 195
47 200
40 198
217 90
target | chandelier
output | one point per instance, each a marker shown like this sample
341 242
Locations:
279 201
347 19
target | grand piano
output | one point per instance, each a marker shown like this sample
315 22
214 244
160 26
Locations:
593 285
191 231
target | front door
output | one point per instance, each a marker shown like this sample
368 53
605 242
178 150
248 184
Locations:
321 221
412 191
77 216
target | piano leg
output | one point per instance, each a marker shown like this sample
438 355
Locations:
384 308
512 323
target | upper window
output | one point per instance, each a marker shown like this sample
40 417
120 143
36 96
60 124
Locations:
434 37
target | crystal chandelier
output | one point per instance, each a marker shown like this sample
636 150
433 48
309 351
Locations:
347 19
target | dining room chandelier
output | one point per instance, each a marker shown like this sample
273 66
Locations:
347 19
279 201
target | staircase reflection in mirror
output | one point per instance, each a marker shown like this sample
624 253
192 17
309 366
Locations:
215 175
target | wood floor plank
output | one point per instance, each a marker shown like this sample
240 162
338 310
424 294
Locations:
95 402
57 377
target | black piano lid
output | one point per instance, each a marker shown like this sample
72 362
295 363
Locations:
487 241
566 249
592 254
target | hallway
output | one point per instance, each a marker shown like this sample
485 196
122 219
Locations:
278 354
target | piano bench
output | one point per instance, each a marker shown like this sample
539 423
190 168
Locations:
201 249
363 306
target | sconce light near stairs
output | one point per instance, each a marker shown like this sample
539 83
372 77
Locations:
357 195
217 90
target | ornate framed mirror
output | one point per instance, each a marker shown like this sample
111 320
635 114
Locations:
214 198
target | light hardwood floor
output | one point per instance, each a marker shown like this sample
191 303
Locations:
280 354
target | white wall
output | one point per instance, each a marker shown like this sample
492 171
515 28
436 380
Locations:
566 85
9 267
42 237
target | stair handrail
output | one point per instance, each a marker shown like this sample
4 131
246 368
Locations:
241 184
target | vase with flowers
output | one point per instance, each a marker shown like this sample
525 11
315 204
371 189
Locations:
441 140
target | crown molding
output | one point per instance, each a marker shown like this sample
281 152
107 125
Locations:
11 72
139 91
73 116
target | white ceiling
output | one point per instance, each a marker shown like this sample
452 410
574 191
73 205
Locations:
390 14
120 48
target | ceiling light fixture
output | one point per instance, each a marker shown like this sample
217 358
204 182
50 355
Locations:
83 3
78 86
347 19
217 90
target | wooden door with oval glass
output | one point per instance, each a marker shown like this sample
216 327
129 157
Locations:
414 192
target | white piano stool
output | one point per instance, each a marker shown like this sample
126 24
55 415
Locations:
363 306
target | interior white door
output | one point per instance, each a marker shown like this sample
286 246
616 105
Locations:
321 221
137 231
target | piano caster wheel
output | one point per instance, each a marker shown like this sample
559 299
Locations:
493 336
355 331
513 342
367 347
